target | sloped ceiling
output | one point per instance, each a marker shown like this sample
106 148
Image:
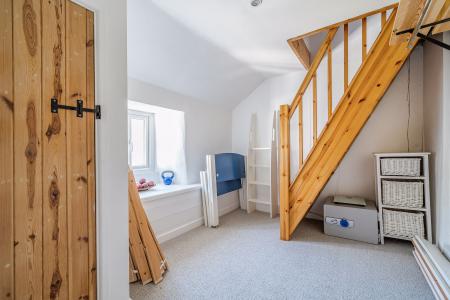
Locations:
220 51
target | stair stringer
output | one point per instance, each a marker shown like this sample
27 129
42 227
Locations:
367 88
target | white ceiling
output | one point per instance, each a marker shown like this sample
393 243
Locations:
220 51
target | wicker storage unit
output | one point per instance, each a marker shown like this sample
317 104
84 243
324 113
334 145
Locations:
400 166
402 193
404 225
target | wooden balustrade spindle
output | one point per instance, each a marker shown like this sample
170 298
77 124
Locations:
383 19
364 39
300 133
315 108
345 57
330 82
284 172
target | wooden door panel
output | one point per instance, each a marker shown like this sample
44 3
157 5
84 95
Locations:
6 151
77 179
47 160
55 283
90 143
27 150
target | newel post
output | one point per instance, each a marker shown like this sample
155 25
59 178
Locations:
284 172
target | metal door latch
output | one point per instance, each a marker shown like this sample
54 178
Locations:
79 108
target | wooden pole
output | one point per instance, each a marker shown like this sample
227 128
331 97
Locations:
364 39
284 172
315 108
300 133
330 82
345 57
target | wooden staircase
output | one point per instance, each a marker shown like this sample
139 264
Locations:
379 67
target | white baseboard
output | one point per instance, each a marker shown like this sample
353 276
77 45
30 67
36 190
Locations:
227 209
314 216
164 237
227 204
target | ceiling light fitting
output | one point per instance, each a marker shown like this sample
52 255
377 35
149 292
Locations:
256 2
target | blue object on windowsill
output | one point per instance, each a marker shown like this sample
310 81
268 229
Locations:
167 177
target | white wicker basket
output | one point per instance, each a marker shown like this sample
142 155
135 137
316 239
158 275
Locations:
400 166
403 224
404 194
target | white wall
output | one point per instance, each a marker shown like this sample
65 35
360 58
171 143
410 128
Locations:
177 214
111 141
437 140
263 101
385 131
207 126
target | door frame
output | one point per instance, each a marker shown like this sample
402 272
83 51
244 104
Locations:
111 221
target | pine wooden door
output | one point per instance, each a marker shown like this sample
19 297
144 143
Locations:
47 160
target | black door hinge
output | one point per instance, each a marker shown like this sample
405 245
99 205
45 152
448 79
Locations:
79 108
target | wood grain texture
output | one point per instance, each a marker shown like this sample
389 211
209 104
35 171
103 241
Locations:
443 14
383 19
367 88
28 150
315 108
77 178
312 70
284 172
300 133
301 51
55 285
90 162
407 16
364 38
6 151
151 246
330 81
345 57
137 247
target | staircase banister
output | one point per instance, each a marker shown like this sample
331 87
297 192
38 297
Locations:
312 70
338 24
367 89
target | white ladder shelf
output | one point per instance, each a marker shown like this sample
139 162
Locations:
262 170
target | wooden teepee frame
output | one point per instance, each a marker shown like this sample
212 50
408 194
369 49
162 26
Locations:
147 262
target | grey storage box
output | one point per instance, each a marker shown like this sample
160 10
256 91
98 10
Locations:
351 221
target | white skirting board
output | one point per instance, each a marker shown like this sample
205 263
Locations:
435 267
174 214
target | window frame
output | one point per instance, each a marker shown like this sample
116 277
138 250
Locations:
150 140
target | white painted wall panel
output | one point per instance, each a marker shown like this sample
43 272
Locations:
172 216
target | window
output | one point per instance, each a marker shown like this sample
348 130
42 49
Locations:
156 142
141 140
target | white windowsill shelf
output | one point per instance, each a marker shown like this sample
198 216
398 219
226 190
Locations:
163 191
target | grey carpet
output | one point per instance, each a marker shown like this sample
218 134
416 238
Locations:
244 259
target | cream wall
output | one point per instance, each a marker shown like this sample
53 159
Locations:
437 136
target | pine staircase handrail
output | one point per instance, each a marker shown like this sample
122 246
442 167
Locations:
379 67
312 70
381 11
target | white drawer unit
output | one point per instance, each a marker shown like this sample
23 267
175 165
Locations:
403 195
351 221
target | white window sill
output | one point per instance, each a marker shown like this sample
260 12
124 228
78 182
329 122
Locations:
164 191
